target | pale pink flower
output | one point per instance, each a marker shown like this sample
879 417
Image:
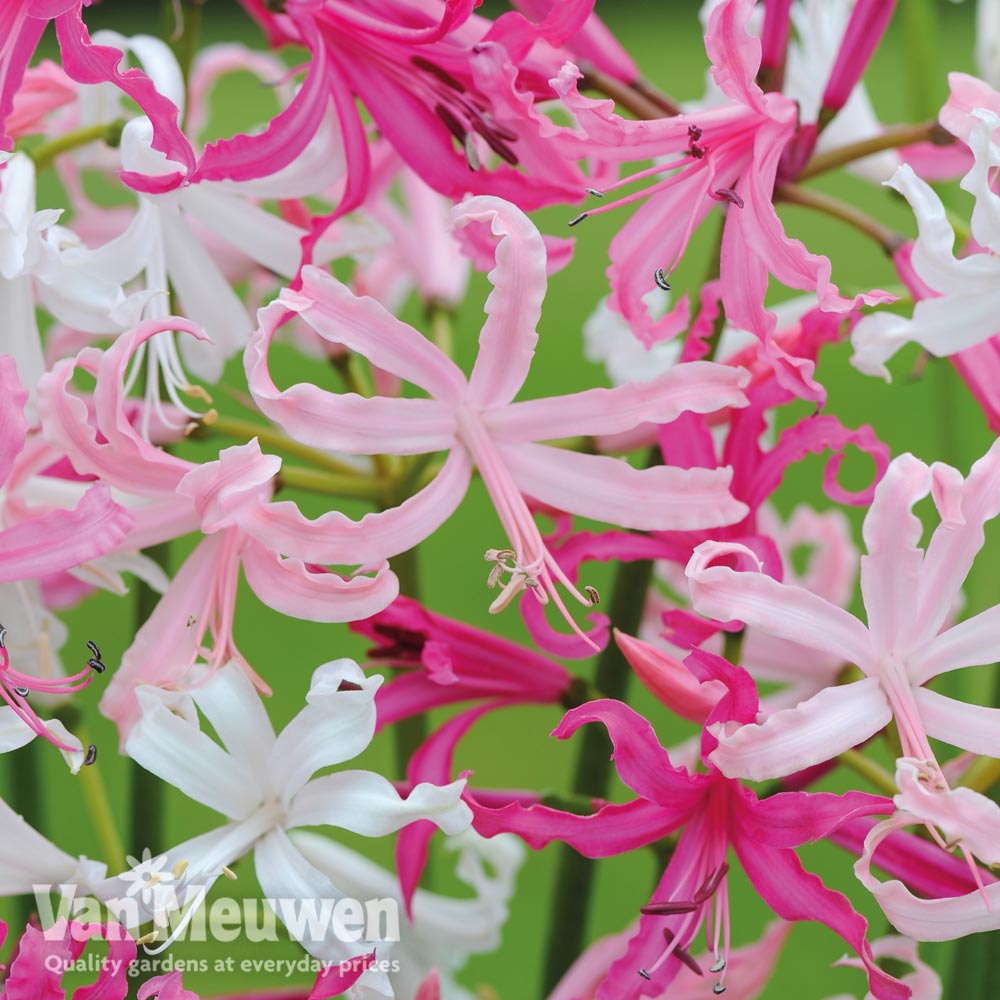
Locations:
174 497
908 594
477 422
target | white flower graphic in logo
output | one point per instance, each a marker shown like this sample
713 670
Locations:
147 877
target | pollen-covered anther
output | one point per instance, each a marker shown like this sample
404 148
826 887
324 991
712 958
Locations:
229 873
180 868
593 595
719 965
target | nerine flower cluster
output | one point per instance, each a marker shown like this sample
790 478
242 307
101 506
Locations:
161 277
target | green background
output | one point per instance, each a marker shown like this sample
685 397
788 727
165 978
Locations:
932 416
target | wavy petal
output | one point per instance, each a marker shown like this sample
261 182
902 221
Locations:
661 498
368 804
508 338
781 610
346 421
971 727
178 752
335 538
318 595
63 539
336 725
831 721
694 387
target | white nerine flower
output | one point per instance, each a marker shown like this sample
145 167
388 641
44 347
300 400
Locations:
444 931
263 784
966 309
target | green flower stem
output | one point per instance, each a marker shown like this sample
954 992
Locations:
893 137
888 240
25 785
245 430
102 817
107 132
329 483
146 801
575 874
867 768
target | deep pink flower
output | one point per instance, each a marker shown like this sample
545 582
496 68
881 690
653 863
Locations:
730 155
715 814
43 956
22 23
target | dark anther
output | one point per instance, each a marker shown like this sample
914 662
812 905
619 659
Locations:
718 989
95 649
96 665
348 686
682 954
698 152
21 690
660 277
668 909
3 636
578 219
728 194
694 133
711 883
438 73
645 975
91 755
454 126
595 192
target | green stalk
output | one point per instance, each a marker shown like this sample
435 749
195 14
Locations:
108 132
329 483
102 816
146 790
575 876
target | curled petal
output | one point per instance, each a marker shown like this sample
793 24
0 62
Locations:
293 588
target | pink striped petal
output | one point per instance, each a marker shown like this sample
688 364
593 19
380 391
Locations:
63 539
778 609
890 572
335 538
971 727
346 421
831 721
943 919
361 324
971 643
508 338
696 387
13 425
662 498
315 594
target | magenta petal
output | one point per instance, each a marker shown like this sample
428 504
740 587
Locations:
336 979
639 759
88 63
432 762
611 830
795 894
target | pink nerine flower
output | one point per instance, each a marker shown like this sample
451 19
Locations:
729 154
908 595
476 421
174 497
